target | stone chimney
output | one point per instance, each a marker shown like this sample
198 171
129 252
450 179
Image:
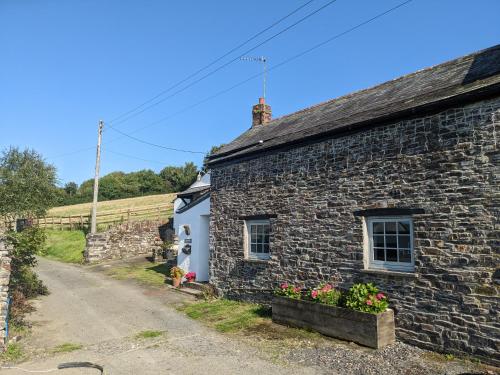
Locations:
261 113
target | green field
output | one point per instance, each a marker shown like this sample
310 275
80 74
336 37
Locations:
118 204
65 246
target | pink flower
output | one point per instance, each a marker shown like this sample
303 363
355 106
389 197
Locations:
380 296
314 293
284 286
369 302
296 290
326 288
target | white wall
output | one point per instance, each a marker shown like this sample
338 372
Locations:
197 219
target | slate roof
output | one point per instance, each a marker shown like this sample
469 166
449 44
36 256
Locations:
192 190
464 79
200 199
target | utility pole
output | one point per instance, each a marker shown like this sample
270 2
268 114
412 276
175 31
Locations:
93 225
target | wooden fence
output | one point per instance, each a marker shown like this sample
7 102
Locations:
106 218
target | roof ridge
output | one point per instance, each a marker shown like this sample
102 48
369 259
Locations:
453 61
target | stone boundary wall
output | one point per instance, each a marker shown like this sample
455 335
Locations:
126 240
446 164
4 287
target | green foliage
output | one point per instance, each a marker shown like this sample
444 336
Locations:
176 272
213 150
25 245
66 348
65 246
367 298
27 184
148 334
326 294
179 178
119 185
290 291
13 353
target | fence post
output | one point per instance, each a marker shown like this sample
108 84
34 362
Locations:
128 215
81 222
158 213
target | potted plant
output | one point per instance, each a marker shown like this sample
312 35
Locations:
176 274
360 315
190 277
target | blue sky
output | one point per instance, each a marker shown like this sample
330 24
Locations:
65 64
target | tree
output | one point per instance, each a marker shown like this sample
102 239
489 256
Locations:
27 184
71 188
213 150
179 178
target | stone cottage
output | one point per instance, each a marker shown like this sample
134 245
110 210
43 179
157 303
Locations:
396 185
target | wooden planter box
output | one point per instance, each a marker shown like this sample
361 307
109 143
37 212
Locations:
373 330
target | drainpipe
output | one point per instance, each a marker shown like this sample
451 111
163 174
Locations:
6 338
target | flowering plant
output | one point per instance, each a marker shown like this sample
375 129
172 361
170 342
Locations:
327 294
176 272
289 291
190 276
367 298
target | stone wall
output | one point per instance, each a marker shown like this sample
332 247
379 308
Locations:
4 287
446 164
126 240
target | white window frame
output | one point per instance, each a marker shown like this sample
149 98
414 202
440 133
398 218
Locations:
248 240
388 265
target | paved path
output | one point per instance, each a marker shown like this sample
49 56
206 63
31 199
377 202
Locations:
86 307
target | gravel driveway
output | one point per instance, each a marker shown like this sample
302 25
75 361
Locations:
88 308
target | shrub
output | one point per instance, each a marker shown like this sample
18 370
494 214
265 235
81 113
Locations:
366 298
326 294
176 272
290 291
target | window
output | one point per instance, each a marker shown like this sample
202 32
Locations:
257 233
390 243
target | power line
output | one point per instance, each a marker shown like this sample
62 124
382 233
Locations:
223 65
154 144
222 92
284 62
213 62
135 157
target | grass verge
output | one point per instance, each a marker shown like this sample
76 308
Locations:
65 246
145 272
66 348
148 334
14 353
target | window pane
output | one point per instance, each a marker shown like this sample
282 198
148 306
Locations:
404 255
404 227
266 238
266 248
253 248
253 231
392 255
378 241
266 228
390 228
379 254
391 241
404 242
378 227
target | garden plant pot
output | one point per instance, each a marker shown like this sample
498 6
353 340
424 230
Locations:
176 281
372 330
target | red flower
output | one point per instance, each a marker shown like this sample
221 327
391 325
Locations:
369 302
284 286
296 290
380 296
314 293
